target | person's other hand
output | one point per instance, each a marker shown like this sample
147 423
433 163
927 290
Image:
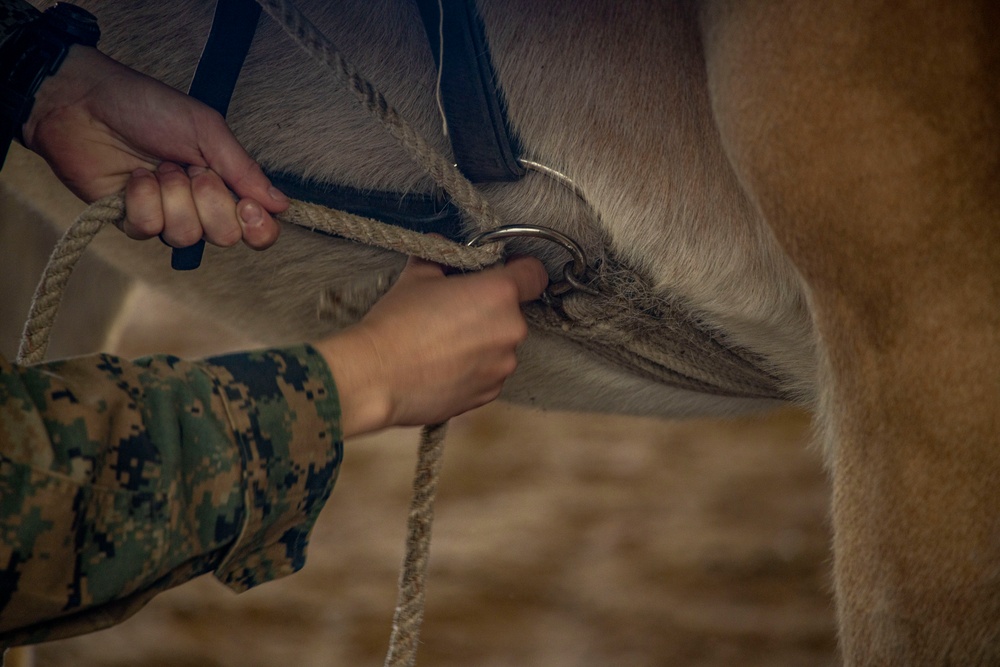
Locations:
434 346
103 127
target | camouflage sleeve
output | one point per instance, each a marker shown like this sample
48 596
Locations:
121 479
14 13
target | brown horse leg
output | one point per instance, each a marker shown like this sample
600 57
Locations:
868 134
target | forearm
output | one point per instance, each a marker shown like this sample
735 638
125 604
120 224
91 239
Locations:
119 480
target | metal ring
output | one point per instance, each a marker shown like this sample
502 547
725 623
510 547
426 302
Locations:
575 283
574 271
538 232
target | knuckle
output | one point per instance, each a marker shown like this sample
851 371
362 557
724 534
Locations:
493 393
136 232
272 235
206 183
505 291
184 237
512 331
171 179
144 186
227 237
520 331
215 117
262 243
170 174
208 119
485 396
142 227
508 365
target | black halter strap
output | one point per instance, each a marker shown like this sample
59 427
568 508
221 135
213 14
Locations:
233 28
484 147
481 139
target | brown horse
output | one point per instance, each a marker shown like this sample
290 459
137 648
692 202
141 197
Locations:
816 183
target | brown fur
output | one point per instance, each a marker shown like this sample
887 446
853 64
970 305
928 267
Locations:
873 149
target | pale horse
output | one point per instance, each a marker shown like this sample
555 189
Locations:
815 183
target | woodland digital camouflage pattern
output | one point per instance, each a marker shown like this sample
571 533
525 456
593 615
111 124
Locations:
121 479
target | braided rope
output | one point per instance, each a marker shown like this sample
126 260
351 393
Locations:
111 210
375 233
410 600
49 293
444 172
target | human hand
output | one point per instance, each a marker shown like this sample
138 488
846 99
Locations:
434 346
102 127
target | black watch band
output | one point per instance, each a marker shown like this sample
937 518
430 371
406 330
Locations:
34 52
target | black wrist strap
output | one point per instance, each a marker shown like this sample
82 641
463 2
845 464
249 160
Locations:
21 72
33 52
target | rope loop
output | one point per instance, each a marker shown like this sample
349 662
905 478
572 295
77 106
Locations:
49 293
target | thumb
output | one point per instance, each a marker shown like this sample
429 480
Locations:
417 268
227 158
529 275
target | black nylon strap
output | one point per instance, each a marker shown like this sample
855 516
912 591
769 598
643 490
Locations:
419 213
485 148
233 28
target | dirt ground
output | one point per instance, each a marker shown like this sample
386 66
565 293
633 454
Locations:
560 540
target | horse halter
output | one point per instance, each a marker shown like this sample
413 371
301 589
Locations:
484 147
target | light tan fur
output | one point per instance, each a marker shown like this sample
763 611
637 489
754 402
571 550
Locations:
819 181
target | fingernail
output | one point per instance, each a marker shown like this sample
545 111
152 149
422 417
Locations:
277 195
195 170
251 214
